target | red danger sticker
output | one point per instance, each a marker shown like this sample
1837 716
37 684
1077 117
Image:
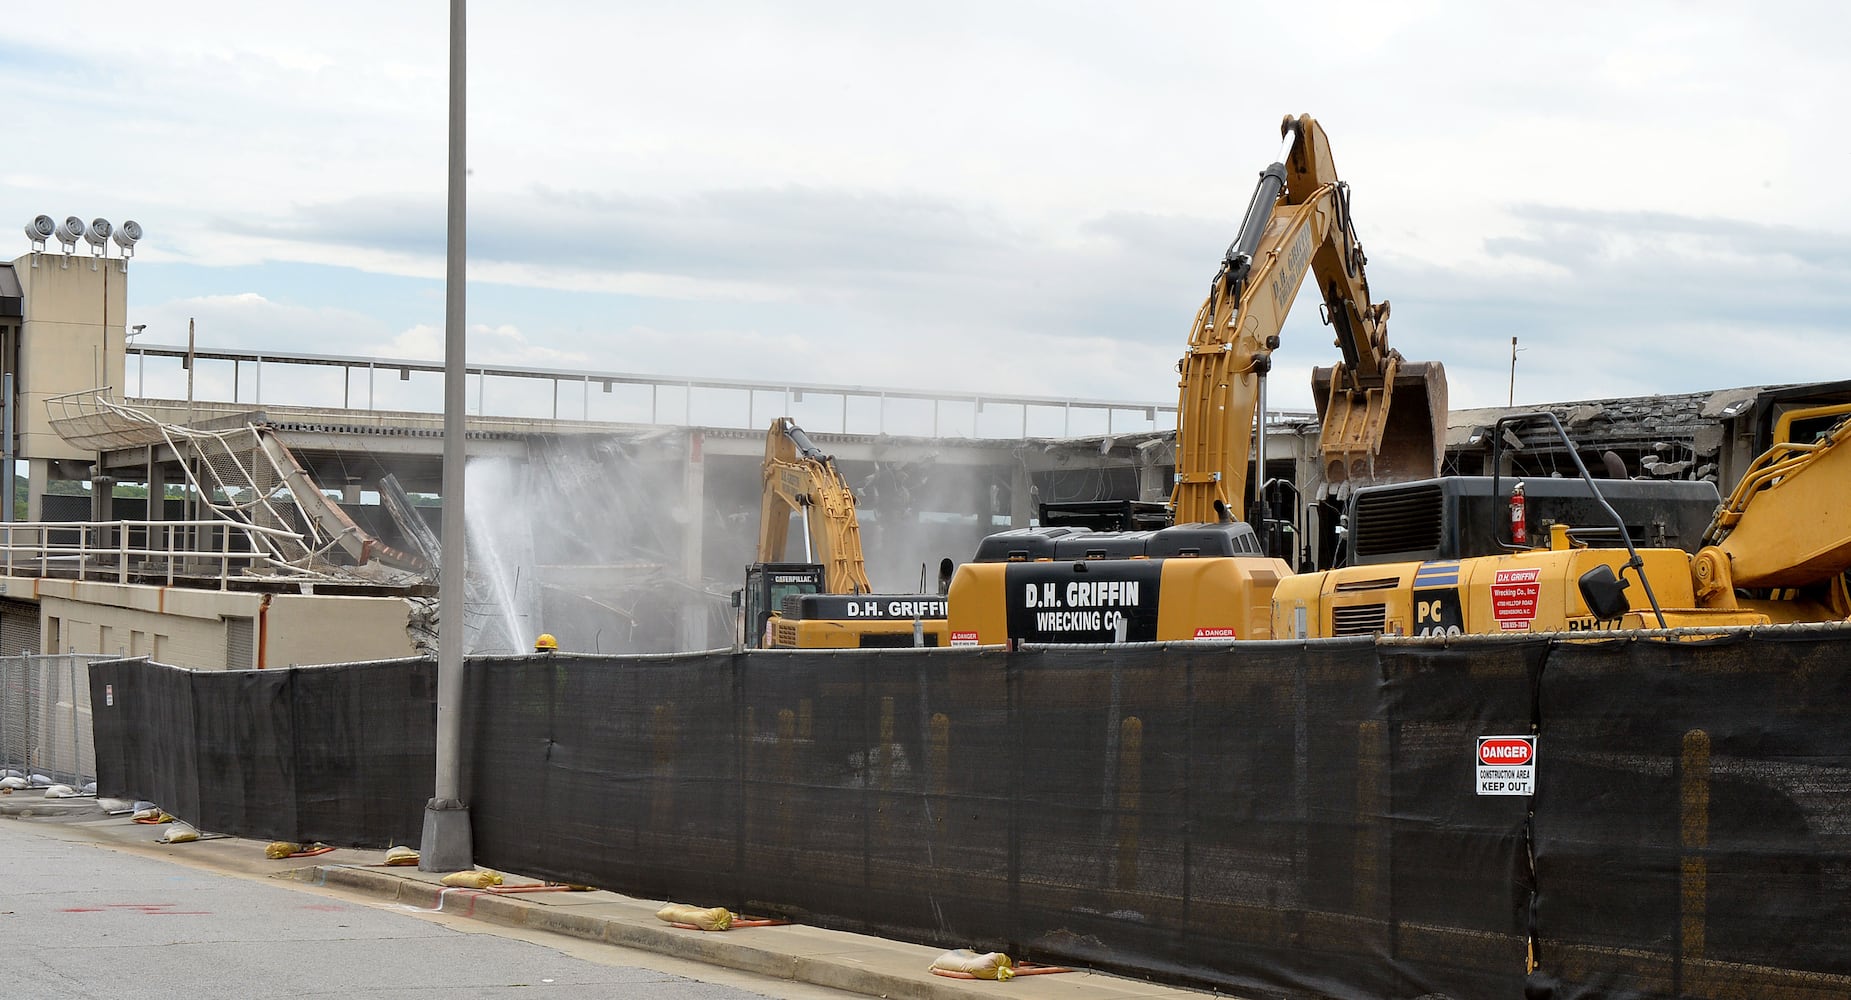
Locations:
1513 598
1506 750
1214 633
964 638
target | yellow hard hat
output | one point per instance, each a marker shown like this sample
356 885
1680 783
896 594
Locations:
546 643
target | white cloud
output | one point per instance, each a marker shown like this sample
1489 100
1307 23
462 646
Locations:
251 321
1025 198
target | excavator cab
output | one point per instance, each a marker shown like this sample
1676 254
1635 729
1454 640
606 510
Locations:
767 585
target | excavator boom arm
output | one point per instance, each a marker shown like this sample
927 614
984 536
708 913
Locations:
800 479
1230 348
1788 522
1298 222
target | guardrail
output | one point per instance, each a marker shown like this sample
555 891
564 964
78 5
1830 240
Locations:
655 399
142 551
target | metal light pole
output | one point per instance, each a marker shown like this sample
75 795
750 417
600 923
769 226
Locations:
1512 400
447 842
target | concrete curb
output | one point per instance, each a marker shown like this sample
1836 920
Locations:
657 937
849 962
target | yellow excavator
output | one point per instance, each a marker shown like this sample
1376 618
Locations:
824 601
1208 575
1777 550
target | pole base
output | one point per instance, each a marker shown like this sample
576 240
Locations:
447 845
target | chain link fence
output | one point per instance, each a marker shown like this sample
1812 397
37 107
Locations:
45 721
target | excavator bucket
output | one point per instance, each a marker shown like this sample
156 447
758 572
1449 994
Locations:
1386 433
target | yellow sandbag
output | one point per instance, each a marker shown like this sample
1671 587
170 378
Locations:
989 965
480 878
718 918
180 833
281 849
401 856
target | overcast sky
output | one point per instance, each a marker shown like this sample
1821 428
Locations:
1001 197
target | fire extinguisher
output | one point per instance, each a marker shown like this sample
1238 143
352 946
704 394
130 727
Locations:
1519 531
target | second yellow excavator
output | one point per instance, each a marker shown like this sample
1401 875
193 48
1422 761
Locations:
823 601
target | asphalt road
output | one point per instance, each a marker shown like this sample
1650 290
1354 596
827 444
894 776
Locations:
79 919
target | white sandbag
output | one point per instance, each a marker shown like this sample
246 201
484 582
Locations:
989 965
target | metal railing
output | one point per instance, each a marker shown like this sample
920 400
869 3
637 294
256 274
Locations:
142 551
45 720
658 399
241 473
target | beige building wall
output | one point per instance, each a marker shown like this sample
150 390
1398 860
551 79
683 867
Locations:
218 630
71 338
306 629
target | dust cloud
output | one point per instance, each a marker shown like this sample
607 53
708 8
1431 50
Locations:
582 538
585 537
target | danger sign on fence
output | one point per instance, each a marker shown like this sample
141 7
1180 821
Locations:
1507 765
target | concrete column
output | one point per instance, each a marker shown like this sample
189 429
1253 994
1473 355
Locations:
350 493
38 480
983 499
102 498
693 505
1150 459
157 489
103 508
1152 484
1021 498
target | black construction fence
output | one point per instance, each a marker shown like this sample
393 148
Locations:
339 754
1288 820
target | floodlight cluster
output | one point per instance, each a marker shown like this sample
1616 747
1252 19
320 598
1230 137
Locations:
72 231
